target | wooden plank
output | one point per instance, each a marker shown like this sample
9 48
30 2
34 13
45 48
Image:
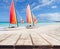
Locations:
53 41
24 40
4 36
54 32
54 36
11 40
37 40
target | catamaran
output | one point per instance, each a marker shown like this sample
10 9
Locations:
21 20
31 19
13 17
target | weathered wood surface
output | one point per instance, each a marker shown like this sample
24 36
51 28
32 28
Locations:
30 38
27 37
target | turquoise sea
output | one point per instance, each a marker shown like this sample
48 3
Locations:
6 24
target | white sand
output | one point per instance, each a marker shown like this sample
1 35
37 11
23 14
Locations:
44 29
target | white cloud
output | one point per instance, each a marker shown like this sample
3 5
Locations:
44 3
53 7
51 16
33 4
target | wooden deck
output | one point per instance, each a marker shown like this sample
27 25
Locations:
30 39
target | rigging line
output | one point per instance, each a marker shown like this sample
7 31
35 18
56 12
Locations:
18 14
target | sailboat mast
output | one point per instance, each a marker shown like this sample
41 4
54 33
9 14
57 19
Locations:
16 17
32 19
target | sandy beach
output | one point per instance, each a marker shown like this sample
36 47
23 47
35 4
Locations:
43 35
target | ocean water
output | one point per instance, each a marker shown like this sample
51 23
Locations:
6 24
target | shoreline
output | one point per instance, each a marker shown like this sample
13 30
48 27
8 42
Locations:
45 28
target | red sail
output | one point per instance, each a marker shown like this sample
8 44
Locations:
35 20
28 14
13 19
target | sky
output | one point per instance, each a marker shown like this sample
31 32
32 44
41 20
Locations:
44 10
